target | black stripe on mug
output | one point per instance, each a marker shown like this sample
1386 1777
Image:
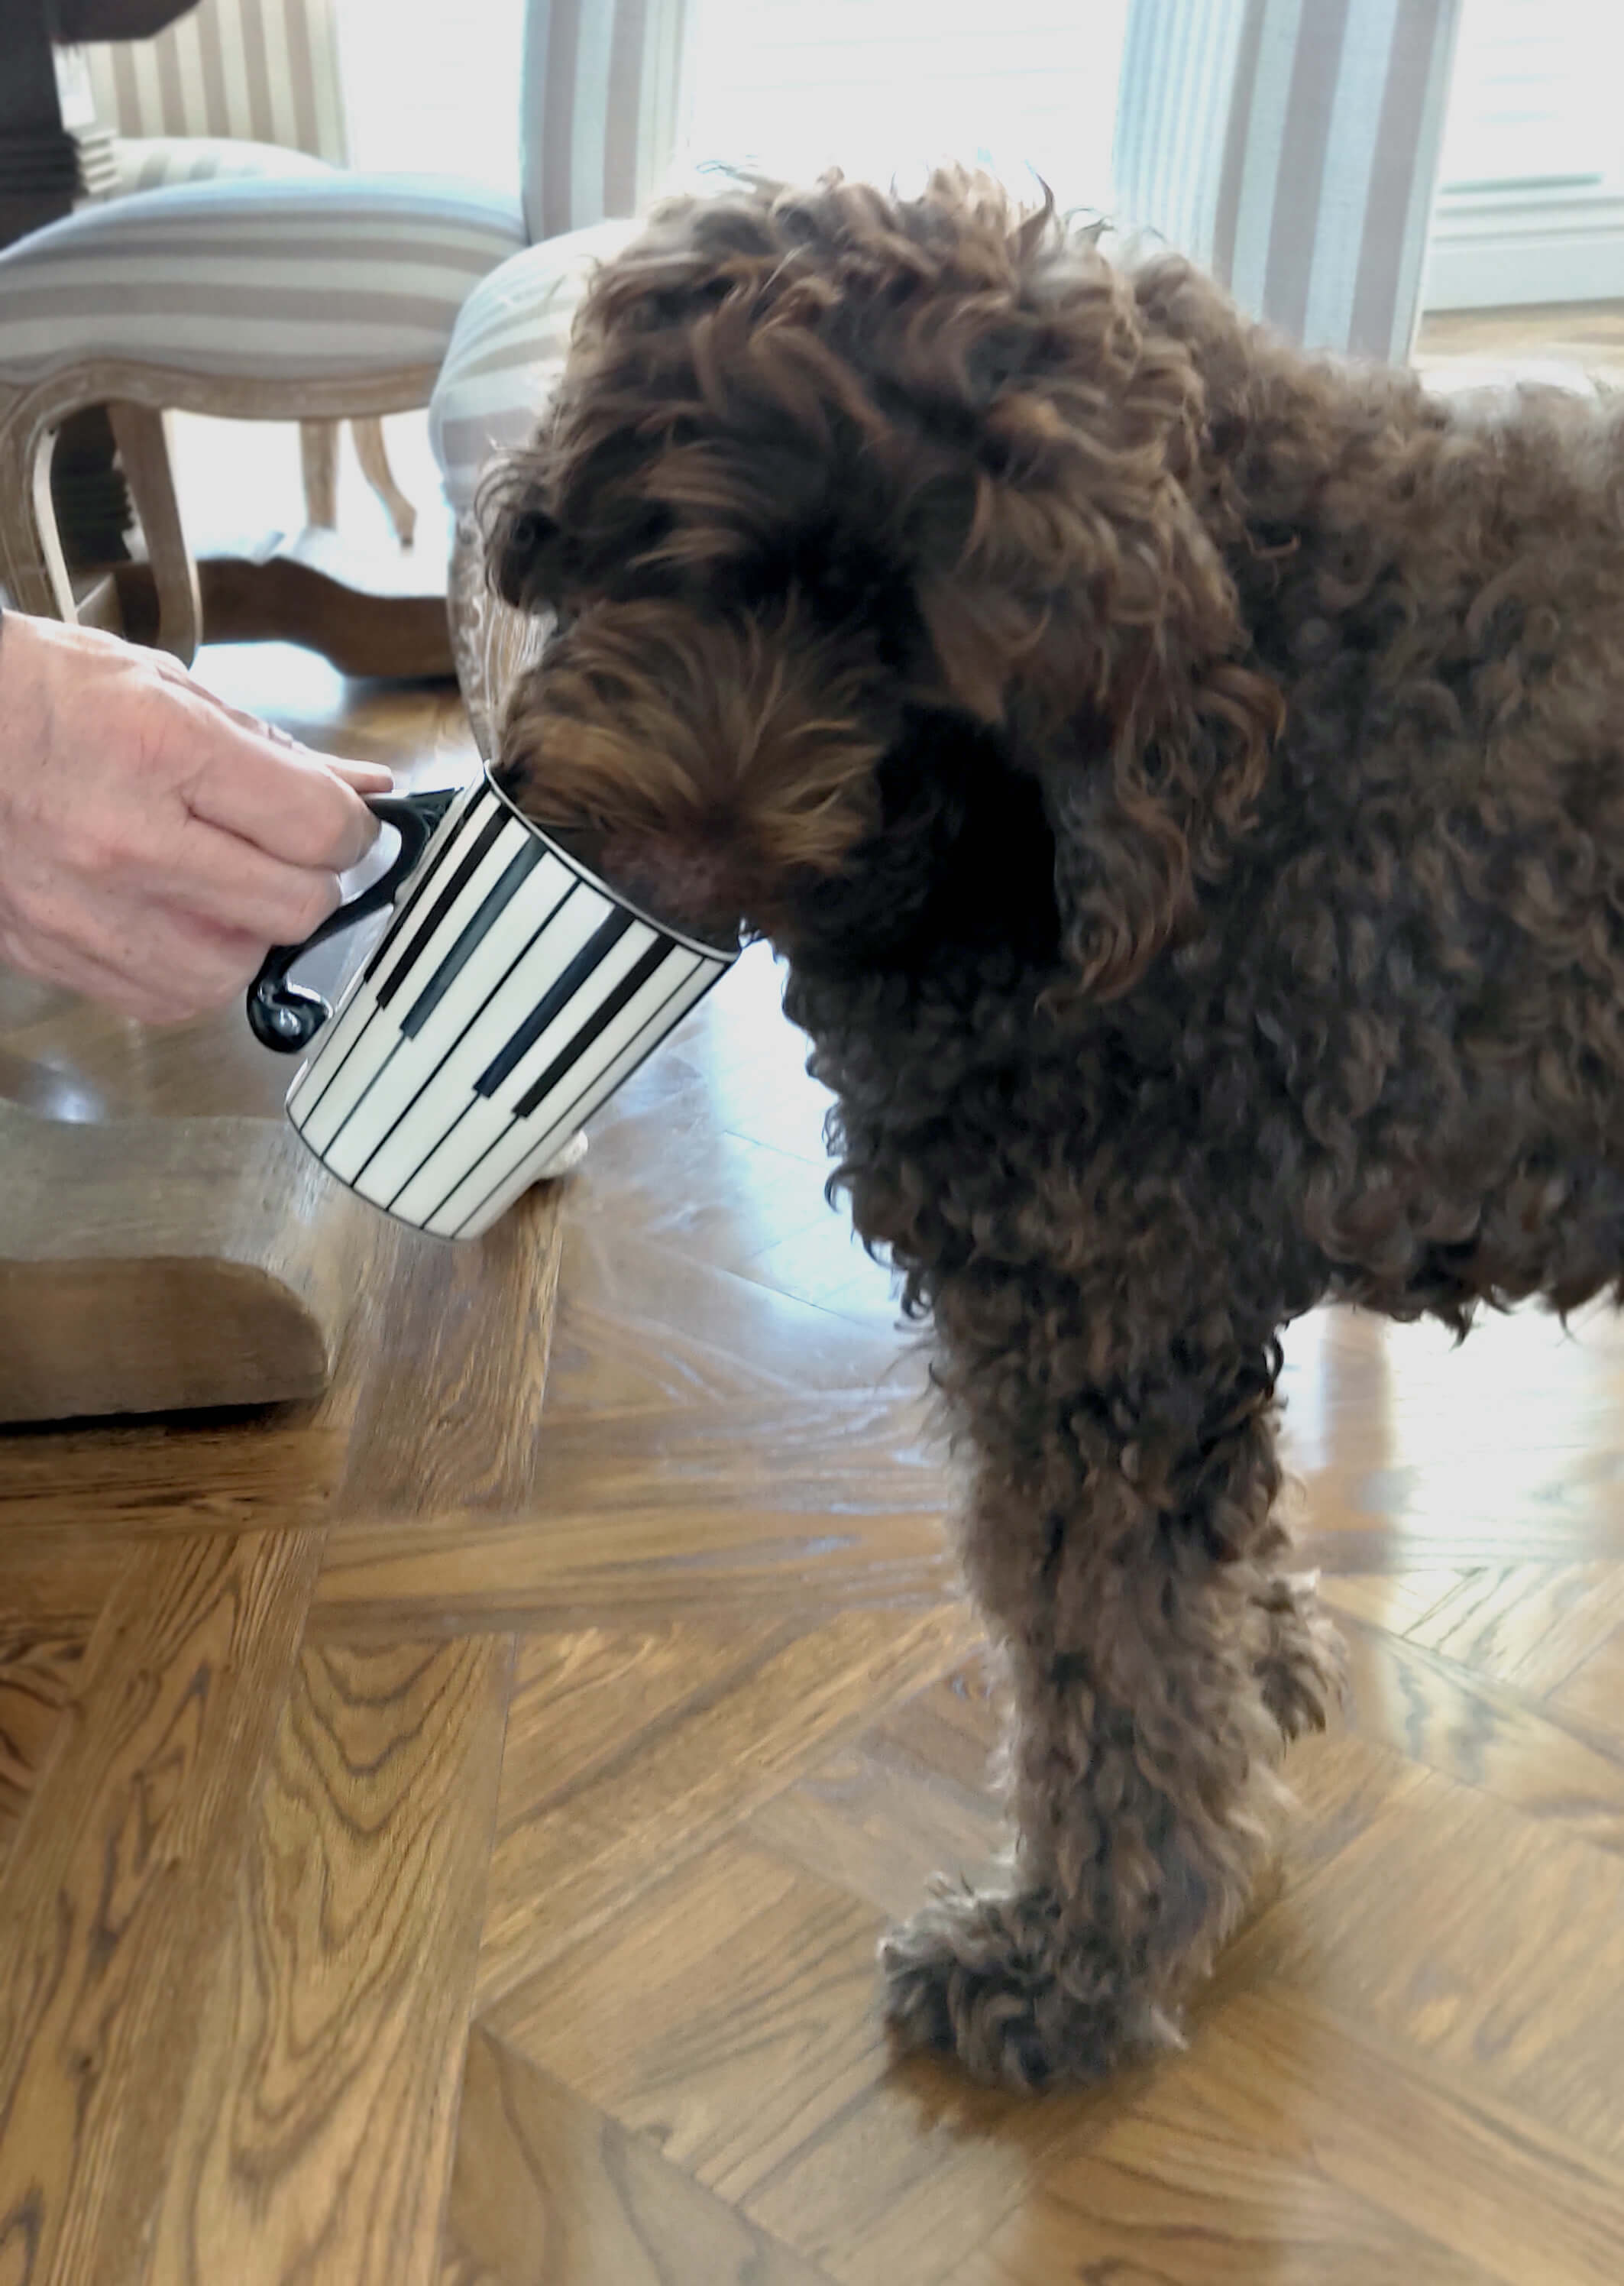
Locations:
562 1118
448 1051
596 1025
518 869
483 844
416 889
607 934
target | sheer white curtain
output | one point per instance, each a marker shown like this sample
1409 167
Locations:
882 87
1531 206
1535 99
885 88
434 88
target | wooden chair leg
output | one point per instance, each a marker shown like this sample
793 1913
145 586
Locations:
318 463
32 565
373 453
144 450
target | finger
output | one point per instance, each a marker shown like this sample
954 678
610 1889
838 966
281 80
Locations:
289 806
366 777
168 669
229 883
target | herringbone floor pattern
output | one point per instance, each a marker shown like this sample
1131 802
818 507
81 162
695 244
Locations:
446 1830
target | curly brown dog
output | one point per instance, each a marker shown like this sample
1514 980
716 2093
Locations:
1186 780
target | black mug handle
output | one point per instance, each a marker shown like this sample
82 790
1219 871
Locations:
287 1017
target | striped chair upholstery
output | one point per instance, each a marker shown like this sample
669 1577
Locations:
605 94
1291 146
315 298
507 351
236 71
603 110
151 162
234 87
605 107
296 280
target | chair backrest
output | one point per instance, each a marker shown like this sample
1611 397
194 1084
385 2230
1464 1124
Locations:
605 107
1292 147
260 71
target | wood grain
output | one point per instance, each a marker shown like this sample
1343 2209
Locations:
185 1475
869 1452
39 1668
316 2132
55 1586
547 2192
749 1718
140 434
1450 1717
635 1566
878 1828
757 1707
914 1797
644 1323
115 1900
1245 2161
1592 1695
147 1265
783 2039
1529 1624
452 1414
1394 1600
1486 1942
754 2058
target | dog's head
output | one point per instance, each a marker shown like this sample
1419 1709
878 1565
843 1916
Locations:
861 520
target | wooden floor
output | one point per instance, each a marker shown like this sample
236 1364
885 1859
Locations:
447 1828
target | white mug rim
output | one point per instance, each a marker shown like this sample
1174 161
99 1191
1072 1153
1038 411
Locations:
682 937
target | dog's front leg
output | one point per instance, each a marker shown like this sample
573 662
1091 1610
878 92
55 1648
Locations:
1125 1559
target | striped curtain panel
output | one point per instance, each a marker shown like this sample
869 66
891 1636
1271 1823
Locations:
259 71
605 107
1292 147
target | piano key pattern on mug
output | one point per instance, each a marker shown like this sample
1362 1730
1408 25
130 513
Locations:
503 1065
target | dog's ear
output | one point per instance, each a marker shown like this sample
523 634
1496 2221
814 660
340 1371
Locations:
1074 592
523 545
1149 782
1143 813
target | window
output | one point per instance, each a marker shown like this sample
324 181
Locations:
884 88
1531 197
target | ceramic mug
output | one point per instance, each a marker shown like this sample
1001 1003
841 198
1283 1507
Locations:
511 994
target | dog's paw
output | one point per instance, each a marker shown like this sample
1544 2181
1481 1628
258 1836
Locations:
995 1981
1303 1673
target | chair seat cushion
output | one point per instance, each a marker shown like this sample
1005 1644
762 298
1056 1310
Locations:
507 351
153 163
332 275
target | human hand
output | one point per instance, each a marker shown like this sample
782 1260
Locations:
154 841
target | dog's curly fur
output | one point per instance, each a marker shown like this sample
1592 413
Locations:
1187 781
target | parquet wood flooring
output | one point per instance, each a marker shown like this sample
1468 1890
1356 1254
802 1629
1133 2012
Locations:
444 1830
